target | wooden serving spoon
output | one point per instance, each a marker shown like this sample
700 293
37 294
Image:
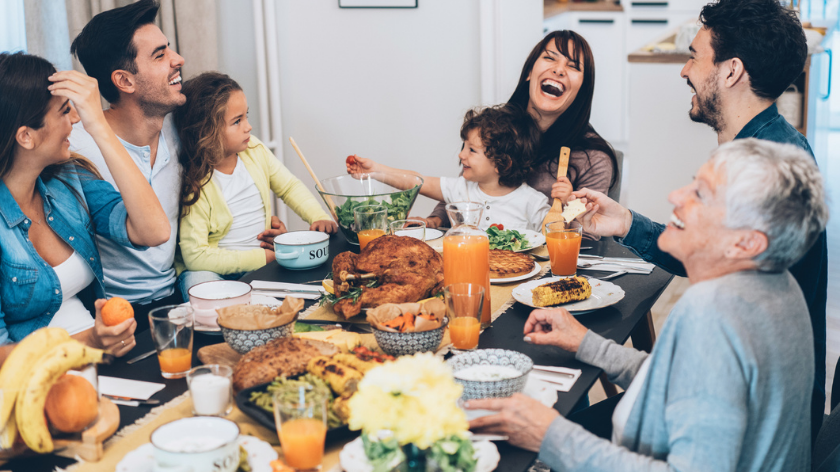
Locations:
315 178
556 211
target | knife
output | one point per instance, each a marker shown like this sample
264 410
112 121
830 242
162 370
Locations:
141 357
362 327
139 401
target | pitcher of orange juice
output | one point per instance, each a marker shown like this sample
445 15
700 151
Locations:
466 251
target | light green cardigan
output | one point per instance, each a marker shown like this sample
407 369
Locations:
209 219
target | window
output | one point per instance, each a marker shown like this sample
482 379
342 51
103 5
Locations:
12 29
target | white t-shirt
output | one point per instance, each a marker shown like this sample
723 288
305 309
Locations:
73 276
246 207
625 405
524 208
140 276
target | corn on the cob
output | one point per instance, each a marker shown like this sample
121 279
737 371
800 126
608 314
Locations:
342 379
562 291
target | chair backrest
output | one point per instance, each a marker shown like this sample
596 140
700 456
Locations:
826 452
615 191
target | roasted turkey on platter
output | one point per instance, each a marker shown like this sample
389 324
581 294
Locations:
405 269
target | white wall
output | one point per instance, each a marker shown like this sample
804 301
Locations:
389 84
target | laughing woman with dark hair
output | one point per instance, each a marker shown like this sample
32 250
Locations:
53 203
556 88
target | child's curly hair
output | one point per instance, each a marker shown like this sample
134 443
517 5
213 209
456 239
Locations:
510 138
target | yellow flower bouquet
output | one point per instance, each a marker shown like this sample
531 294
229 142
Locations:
416 399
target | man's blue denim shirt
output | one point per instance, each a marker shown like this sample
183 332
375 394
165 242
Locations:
76 206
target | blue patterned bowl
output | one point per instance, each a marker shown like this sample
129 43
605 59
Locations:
474 389
407 344
243 340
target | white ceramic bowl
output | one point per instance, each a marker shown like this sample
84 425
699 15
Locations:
197 444
207 297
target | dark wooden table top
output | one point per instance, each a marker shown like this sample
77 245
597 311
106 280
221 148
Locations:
614 322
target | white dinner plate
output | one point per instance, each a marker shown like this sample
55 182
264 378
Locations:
260 454
518 278
432 234
352 458
535 240
603 294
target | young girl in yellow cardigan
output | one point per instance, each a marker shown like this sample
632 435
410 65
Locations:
226 183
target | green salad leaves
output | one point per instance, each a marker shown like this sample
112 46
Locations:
452 454
398 207
509 240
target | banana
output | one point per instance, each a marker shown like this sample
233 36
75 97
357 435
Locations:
29 406
9 433
18 365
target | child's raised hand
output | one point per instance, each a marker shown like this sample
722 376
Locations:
562 189
324 226
360 165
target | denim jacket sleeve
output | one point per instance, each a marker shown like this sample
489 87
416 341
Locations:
4 333
107 209
641 239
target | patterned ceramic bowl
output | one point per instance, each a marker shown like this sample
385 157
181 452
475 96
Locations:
407 344
243 340
474 389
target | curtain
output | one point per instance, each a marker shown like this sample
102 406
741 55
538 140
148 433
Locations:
190 26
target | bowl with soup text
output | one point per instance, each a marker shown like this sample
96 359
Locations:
299 250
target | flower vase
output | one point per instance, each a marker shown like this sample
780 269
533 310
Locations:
415 459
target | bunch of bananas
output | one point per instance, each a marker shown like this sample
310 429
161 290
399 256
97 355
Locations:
26 377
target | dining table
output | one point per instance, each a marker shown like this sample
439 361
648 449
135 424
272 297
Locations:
615 322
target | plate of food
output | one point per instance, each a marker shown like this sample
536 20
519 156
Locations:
509 266
353 458
576 294
337 372
516 240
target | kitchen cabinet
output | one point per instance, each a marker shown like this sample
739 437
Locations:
604 31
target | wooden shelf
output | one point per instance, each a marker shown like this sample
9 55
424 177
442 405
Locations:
553 7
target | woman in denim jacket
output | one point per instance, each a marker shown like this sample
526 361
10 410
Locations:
52 204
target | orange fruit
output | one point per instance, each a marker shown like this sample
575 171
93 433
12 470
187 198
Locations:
72 404
116 310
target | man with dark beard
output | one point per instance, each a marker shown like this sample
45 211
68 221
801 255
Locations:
140 76
746 54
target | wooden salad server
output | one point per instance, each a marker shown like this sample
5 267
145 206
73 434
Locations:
317 182
556 211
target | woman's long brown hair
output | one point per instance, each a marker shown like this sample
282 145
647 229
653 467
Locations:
200 125
572 128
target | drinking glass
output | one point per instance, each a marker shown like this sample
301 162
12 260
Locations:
413 227
371 223
463 306
300 413
172 333
211 389
563 242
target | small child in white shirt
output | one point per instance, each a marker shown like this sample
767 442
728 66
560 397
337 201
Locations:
499 144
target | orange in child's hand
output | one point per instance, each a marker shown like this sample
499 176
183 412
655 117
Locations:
116 310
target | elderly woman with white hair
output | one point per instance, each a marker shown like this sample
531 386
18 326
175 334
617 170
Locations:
728 384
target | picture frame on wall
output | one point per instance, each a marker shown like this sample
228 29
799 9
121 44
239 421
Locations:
377 3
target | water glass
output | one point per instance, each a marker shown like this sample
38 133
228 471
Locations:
300 414
371 223
464 302
412 227
172 333
211 389
563 242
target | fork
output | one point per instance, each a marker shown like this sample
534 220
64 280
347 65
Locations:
606 277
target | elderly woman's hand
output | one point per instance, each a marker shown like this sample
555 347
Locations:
604 216
523 419
117 339
555 327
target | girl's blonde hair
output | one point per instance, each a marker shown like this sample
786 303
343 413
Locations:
200 123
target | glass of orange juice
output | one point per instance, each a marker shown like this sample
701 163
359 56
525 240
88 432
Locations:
463 306
371 223
172 333
300 413
563 242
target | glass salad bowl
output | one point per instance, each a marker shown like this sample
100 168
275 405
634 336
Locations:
396 191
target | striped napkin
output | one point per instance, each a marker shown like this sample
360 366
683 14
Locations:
614 264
